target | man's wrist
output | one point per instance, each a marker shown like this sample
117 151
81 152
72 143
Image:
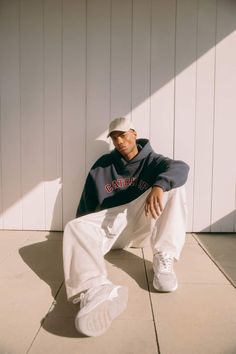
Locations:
158 187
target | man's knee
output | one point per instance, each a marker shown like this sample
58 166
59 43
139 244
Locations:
72 229
70 224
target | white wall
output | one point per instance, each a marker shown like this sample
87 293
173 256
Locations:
69 67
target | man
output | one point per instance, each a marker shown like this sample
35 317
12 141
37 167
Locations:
132 195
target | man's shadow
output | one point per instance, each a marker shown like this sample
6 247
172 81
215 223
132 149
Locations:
45 260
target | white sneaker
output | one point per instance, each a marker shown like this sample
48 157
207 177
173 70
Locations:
99 306
164 276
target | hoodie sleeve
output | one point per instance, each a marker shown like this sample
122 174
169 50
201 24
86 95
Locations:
88 201
170 173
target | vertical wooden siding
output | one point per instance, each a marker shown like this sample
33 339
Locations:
69 66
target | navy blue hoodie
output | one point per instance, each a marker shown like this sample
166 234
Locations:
113 181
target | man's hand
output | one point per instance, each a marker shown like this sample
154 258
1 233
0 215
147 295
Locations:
154 203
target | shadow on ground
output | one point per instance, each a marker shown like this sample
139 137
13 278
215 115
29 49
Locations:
221 247
135 266
45 259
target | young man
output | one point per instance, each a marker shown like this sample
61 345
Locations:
131 196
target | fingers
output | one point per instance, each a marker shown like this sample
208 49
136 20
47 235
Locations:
153 207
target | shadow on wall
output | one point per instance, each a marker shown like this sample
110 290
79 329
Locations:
58 220
228 222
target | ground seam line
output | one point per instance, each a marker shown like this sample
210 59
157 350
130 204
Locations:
150 299
43 320
213 260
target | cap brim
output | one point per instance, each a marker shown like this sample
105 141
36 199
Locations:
118 130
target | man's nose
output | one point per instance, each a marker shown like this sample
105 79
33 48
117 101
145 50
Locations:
119 140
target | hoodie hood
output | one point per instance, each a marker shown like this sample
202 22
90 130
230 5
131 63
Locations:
122 164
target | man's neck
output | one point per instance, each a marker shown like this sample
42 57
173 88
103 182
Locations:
132 154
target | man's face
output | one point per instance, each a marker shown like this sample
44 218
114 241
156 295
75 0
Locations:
125 143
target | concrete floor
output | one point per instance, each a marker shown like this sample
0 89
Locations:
221 247
200 317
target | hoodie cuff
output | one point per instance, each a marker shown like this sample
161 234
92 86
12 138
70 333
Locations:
163 184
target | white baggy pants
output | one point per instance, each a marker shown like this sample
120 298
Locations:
88 238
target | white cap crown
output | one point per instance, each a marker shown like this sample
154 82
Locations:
121 124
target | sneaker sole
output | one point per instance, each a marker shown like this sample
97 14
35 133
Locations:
98 320
161 290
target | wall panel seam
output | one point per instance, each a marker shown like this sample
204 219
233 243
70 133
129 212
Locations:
62 136
43 113
195 113
86 88
110 60
150 70
1 174
20 102
132 58
150 60
174 90
235 207
214 110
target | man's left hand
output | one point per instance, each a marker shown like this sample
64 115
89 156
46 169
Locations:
154 202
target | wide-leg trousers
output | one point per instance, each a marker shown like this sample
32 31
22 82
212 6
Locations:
88 238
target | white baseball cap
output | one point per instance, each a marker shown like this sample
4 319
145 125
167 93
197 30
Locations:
121 124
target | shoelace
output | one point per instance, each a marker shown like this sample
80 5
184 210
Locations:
165 262
84 298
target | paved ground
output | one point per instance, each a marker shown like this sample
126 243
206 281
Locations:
200 317
221 247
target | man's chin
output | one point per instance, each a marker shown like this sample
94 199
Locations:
123 153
